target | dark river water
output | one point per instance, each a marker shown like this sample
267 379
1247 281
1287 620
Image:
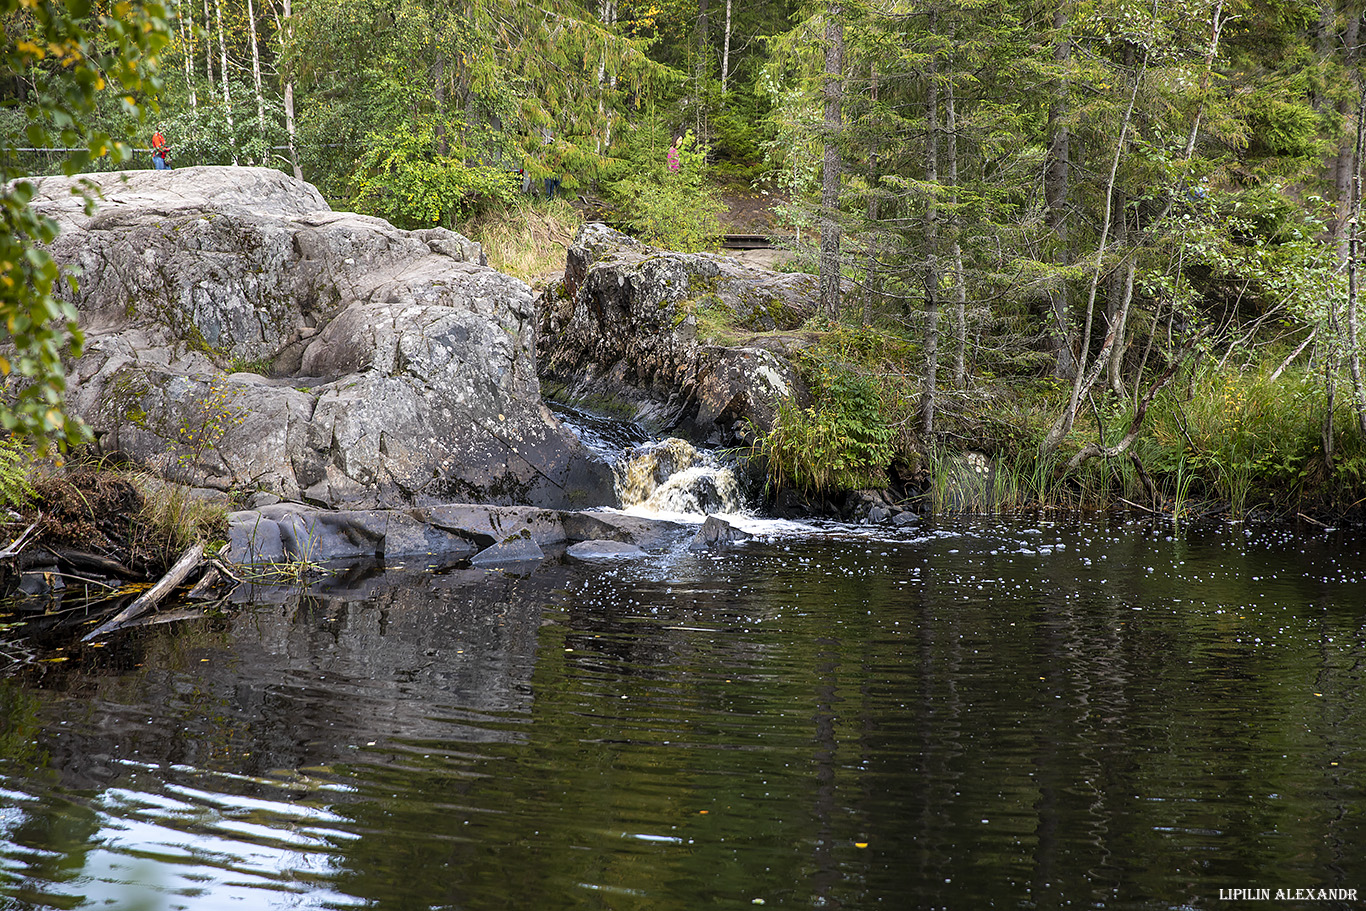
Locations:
1036 714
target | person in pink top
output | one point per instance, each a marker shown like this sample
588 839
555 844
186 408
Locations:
673 154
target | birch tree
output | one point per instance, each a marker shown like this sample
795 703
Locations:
223 69
256 82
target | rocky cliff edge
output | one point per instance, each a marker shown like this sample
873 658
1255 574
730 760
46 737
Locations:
630 329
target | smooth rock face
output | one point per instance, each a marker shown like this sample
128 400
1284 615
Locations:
287 532
240 335
519 547
620 333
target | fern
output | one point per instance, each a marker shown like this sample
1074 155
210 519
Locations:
16 490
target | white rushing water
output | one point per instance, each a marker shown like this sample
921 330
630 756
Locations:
672 478
667 478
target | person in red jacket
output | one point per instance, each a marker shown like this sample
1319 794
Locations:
159 152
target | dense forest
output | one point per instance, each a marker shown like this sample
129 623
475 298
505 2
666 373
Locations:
1111 244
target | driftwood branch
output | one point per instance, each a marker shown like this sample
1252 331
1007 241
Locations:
1143 476
153 596
18 543
208 584
175 615
224 570
1294 354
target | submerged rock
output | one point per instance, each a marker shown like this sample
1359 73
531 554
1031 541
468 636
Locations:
519 547
715 532
589 551
626 330
242 336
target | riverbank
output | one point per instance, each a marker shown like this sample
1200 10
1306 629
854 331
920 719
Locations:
837 429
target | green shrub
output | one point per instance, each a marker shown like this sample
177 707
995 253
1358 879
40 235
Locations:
401 179
671 209
840 443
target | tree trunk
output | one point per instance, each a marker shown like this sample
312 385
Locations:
1085 379
700 69
930 380
960 289
872 273
1216 25
256 80
1347 162
208 47
703 32
1055 193
439 95
1118 294
1354 234
725 51
1120 320
185 39
833 90
227 92
284 31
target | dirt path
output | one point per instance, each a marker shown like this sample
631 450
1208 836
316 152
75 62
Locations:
749 211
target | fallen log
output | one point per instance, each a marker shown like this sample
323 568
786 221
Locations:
81 560
153 596
175 615
203 589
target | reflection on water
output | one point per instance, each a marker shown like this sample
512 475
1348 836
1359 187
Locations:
1003 715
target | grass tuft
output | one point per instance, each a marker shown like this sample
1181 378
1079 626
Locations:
172 517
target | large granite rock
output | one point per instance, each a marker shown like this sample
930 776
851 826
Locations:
241 335
620 333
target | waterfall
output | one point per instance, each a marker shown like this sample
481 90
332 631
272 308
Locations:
656 476
673 477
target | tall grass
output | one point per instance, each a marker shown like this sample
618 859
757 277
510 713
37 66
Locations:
1232 438
173 517
527 239
1242 438
1237 440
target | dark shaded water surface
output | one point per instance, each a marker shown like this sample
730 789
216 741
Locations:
985 715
